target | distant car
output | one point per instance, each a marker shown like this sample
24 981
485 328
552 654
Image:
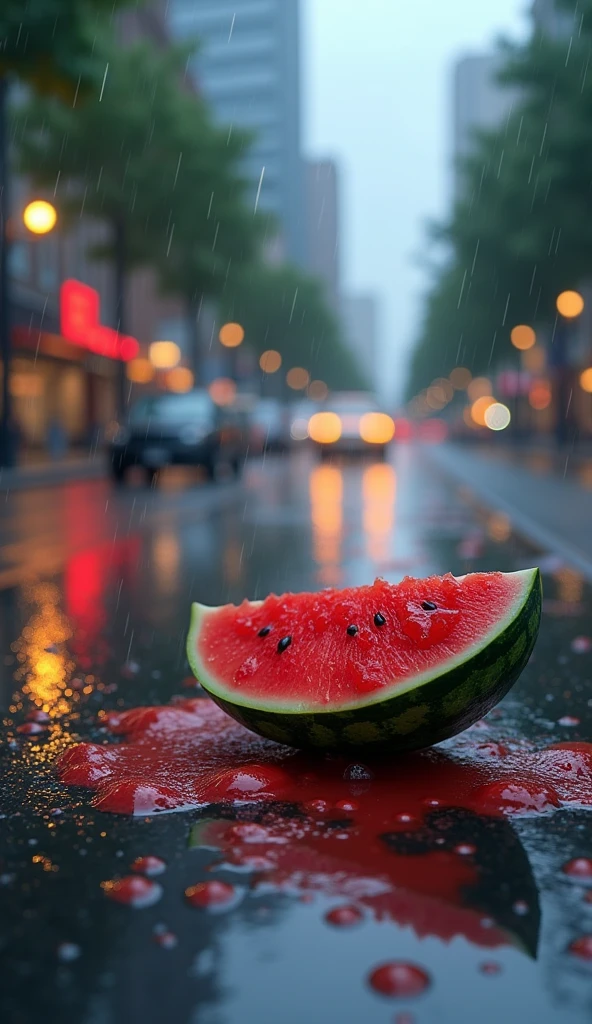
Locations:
352 423
270 431
178 430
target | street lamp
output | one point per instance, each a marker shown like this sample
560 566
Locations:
523 337
39 217
570 304
231 335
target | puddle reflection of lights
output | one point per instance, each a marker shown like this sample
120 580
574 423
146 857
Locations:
379 495
326 506
45 668
166 556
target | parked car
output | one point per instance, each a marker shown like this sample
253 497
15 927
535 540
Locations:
270 428
352 423
178 430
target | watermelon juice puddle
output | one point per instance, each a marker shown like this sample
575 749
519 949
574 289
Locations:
419 840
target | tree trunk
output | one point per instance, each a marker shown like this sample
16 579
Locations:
120 296
7 438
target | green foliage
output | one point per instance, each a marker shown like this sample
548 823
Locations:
50 44
282 308
521 232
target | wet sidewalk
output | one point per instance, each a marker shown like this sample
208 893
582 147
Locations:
551 507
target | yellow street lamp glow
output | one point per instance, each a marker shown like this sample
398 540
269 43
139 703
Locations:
180 380
523 337
231 335
270 361
480 407
164 354
497 416
570 304
297 378
139 371
40 217
586 380
324 427
460 378
377 428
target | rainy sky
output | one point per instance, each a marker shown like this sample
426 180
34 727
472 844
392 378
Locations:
378 97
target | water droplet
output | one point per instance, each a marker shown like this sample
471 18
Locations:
582 947
581 644
167 940
521 908
68 952
399 980
357 772
490 967
344 917
580 869
133 890
570 721
150 866
465 849
208 895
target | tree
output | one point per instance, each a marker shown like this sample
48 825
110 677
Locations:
48 45
283 309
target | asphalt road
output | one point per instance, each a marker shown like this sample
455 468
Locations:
95 587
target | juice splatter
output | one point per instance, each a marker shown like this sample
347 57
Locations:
344 917
580 869
582 947
210 895
150 866
399 980
133 891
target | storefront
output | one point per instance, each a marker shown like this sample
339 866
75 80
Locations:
63 386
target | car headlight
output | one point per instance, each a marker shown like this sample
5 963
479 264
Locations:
192 434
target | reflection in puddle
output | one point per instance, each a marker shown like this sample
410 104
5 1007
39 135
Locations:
45 667
379 494
326 509
166 557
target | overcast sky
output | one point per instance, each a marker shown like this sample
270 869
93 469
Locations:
377 97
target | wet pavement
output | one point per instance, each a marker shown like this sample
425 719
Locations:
95 587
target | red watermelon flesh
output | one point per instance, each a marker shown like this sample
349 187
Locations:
324 666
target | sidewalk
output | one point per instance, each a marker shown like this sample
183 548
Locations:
48 474
551 509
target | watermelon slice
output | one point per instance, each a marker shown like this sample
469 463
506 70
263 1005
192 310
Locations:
404 665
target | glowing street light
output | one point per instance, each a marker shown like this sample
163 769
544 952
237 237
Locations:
497 416
570 304
164 355
586 380
40 217
180 380
139 371
231 335
298 378
523 337
270 361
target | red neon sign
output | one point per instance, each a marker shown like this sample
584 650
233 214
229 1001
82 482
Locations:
80 308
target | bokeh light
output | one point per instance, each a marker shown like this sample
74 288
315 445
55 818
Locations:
299 429
586 380
180 380
460 378
377 428
297 378
318 390
231 335
523 337
40 217
324 427
270 361
222 391
497 416
540 395
164 354
479 388
534 359
570 304
480 407
139 371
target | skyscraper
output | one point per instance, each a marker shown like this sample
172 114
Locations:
322 219
247 67
480 103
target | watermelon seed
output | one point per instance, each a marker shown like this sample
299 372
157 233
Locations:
429 606
352 630
284 644
265 631
379 620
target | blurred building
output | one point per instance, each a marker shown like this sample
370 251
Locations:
360 333
322 223
248 67
551 18
52 379
480 103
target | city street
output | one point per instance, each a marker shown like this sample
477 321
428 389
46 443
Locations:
95 587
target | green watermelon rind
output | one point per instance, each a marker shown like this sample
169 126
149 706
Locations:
426 709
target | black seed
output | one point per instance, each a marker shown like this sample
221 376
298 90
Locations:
428 606
352 630
379 620
265 631
284 644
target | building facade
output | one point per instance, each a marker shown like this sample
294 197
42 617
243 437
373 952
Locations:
360 333
248 68
322 223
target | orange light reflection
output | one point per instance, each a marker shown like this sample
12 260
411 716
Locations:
326 509
379 495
